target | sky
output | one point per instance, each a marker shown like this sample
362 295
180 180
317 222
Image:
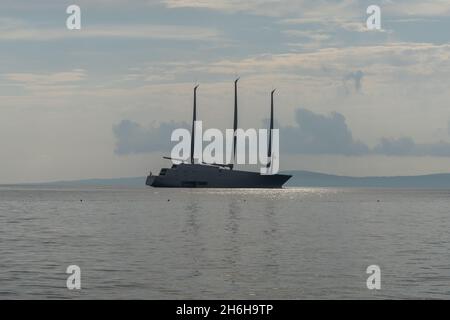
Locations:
101 102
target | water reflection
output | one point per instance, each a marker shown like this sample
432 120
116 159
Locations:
192 225
271 246
193 246
232 252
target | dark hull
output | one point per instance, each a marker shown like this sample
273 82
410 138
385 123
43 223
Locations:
205 176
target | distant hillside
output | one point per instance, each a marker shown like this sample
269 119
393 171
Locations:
313 179
304 179
129 182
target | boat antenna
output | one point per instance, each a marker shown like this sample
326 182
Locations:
194 118
269 151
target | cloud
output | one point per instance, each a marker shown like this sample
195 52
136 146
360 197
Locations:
356 77
407 147
313 134
132 138
320 134
254 6
14 30
316 9
386 59
274 8
420 7
46 85
47 78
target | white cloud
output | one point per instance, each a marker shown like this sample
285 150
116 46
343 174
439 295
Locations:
421 57
276 8
16 30
418 7
318 9
47 79
45 85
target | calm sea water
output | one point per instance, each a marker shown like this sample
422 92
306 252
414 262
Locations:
138 243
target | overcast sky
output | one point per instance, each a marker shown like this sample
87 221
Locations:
96 103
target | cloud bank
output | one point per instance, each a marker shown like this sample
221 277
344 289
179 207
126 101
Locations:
132 138
320 134
313 134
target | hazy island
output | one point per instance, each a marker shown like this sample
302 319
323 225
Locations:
305 179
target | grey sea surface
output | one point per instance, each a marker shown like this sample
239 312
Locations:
296 243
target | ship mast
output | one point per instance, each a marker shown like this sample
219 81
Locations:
269 151
194 119
235 124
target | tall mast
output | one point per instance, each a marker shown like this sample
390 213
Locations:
269 151
194 118
235 124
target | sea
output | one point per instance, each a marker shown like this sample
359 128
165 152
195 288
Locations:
294 243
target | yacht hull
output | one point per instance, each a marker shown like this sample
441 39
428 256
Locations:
206 176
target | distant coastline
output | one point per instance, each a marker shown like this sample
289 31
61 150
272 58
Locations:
314 179
301 179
